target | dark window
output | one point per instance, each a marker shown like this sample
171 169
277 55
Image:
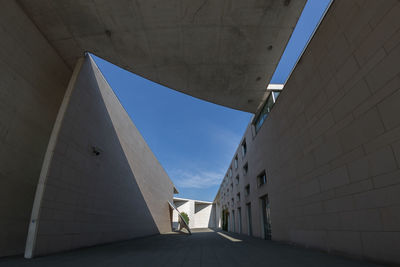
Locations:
269 103
236 162
245 169
238 196
237 179
247 190
262 179
244 148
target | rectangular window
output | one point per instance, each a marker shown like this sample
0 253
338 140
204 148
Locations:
245 168
261 179
247 190
237 180
232 186
236 162
244 148
238 196
269 103
230 172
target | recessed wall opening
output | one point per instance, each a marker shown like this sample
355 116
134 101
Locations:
249 220
261 179
265 217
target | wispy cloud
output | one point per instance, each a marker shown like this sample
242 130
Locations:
197 178
198 174
226 138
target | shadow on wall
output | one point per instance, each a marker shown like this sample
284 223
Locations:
199 207
212 218
179 203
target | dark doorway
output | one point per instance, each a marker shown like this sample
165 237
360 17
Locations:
249 222
266 217
225 219
239 220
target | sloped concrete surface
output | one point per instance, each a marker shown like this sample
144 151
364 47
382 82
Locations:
203 248
220 51
87 198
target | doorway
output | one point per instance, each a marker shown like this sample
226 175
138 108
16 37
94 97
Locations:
266 217
240 220
233 221
225 220
249 222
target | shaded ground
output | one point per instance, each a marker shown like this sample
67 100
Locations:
203 248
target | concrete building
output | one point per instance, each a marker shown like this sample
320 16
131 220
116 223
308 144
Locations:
320 167
201 213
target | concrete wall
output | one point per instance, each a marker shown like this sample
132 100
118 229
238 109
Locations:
154 183
33 79
186 206
85 199
331 145
201 214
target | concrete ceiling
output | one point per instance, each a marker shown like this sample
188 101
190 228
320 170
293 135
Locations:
222 51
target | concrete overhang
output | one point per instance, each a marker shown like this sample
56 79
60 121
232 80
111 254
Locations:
224 52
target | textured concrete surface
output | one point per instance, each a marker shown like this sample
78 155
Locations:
33 79
202 248
154 183
330 146
221 51
201 213
89 199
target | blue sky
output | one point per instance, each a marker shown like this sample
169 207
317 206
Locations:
195 140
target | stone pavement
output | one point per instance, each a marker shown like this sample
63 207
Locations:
203 248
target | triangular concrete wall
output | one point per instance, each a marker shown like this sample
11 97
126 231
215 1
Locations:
89 192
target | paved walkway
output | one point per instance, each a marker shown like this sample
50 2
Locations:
203 248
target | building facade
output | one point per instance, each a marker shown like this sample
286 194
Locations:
322 168
201 213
